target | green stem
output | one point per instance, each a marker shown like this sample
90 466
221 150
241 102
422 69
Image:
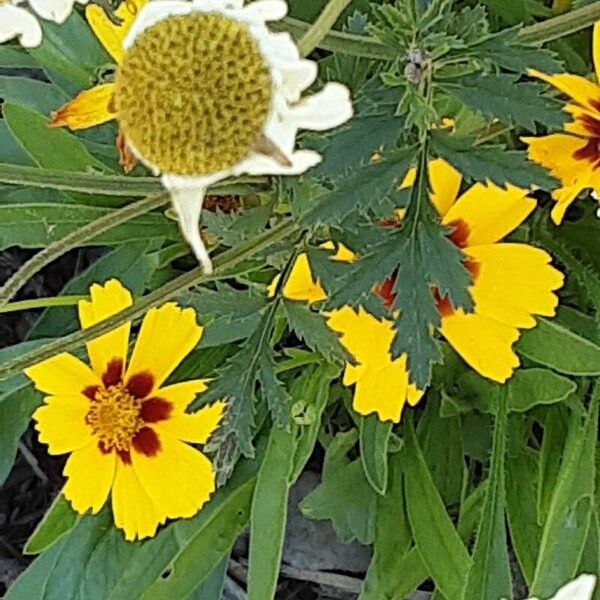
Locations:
77 238
322 26
109 185
223 265
560 26
49 302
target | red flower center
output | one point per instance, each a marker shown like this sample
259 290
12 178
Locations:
591 151
119 413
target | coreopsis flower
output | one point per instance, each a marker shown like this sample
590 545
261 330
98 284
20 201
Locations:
572 157
581 588
126 432
204 91
511 283
381 383
18 19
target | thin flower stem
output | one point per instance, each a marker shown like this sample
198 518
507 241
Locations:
48 302
77 238
224 263
322 26
109 185
361 45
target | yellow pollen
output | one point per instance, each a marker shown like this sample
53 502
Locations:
114 417
193 93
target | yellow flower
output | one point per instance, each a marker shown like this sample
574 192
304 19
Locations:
96 106
381 383
572 157
127 434
510 284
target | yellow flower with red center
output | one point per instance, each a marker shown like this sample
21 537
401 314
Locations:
96 106
572 157
511 283
128 434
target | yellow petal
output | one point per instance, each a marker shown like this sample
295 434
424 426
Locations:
485 344
168 334
514 282
181 395
300 285
596 50
564 197
578 88
178 479
106 301
89 108
61 423
62 375
490 212
89 474
445 183
111 36
133 510
556 153
381 384
195 428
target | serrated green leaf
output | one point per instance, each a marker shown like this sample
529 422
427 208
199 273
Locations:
501 96
552 345
278 399
361 189
567 524
525 533
58 521
311 328
374 437
495 163
437 540
489 575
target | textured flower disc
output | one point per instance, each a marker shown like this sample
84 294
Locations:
193 93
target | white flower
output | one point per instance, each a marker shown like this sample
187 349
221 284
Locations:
581 588
18 20
206 91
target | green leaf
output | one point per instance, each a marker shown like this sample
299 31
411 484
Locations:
342 478
16 57
489 575
71 50
567 525
525 533
501 96
374 437
58 521
49 148
42 224
269 513
312 329
439 544
16 408
362 189
36 95
493 162
552 345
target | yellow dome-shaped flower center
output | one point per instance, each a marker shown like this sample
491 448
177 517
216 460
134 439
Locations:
193 93
114 417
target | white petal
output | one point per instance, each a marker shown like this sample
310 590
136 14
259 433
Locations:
265 10
258 164
17 22
188 206
296 77
324 110
154 12
581 588
52 10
